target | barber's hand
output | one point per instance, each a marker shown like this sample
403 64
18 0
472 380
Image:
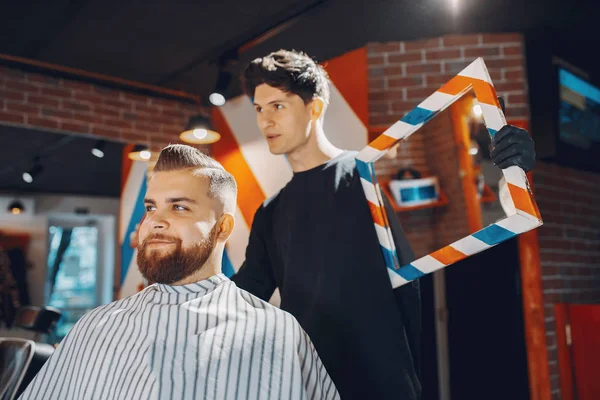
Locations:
513 146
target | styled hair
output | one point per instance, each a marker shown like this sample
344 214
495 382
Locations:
222 185
290 71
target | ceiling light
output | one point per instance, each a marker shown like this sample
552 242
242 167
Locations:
217 97
16 207
477 110
98 149
30 175
141 153
198 131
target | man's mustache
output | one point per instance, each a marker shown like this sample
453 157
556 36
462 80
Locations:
160 236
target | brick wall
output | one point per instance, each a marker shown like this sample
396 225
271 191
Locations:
39 101
569 201
401 75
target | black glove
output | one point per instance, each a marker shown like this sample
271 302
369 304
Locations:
513 146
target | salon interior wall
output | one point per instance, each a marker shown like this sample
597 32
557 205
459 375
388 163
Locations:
103 210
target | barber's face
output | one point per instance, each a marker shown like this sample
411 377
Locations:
283 118
179 231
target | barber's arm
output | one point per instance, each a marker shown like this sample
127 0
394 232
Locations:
256 275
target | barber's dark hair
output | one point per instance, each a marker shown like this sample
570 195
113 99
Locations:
222 185
290 71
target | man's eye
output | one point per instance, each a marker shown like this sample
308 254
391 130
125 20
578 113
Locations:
150 208
258 109
279 106
179 208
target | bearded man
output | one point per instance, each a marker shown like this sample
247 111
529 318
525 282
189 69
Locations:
192 334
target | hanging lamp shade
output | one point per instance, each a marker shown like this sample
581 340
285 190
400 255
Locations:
199 131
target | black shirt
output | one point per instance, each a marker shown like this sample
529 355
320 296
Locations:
315 240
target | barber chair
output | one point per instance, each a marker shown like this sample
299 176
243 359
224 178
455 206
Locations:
21 359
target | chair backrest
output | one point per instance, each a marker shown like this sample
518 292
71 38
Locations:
15 357
37 319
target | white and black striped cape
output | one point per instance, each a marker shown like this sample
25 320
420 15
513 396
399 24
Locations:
205 340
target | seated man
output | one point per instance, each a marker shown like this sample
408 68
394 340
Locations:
192 334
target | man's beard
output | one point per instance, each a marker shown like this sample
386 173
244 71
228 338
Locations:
172 266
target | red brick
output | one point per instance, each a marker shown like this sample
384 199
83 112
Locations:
405 58
422 44
105 131
84 118
375 60
48 112
85 96
387 95
144 126
504 63
56 92
475 52
402 107
75 127
129 116
436 55
512 50
393 70
133 97
454 67
76 105
42 122
516 99
107 111
460 40
12 118
379 108
22 108
502 37
117 123
418 93
513 112
22 86
151 110
162 102
405 82
122 105
437 80
107 92
376 84
82 87
12 95
374 48
375 72
430 68
496 75
12 73
172 113
513 75
387 120
510 87
42 100
45 79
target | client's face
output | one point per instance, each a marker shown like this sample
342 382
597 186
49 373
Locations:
179 231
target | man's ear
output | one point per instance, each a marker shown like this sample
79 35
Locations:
226 226
317 108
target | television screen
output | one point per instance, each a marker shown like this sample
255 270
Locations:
579 111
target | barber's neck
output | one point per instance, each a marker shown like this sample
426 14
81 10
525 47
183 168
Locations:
316 151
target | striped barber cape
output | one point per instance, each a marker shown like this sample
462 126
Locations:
205 340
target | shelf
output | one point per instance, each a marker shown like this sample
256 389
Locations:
443 200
